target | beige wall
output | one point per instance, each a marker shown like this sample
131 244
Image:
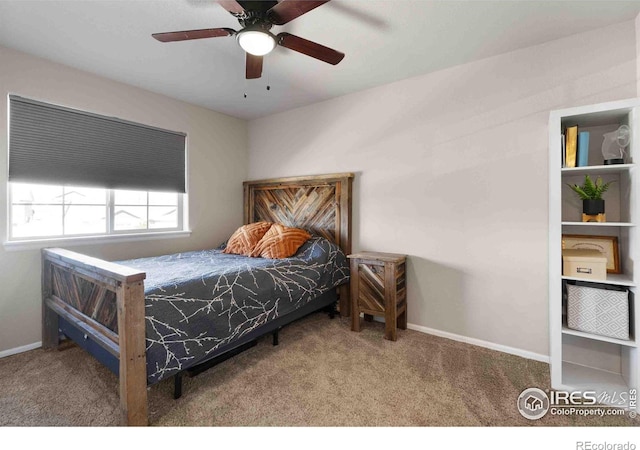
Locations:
451 169
637 26
217 152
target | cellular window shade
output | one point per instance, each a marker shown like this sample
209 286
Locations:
56 145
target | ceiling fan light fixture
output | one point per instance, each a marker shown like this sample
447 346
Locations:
256 42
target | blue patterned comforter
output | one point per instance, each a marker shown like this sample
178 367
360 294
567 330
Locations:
199 301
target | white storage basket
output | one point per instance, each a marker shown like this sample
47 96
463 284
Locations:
598 311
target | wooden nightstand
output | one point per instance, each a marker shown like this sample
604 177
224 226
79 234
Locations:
378 288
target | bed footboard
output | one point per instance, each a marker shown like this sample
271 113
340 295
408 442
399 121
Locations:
104 303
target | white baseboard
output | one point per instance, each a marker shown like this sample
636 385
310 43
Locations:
22 349
480 343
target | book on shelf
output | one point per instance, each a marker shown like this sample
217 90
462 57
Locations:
571 145
564 157
583 149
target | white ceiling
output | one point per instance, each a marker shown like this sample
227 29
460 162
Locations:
384 41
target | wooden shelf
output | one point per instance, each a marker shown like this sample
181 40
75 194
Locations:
612 278
597 337
613 168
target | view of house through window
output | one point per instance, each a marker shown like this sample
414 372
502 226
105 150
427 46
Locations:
44 211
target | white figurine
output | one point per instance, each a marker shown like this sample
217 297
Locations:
614 144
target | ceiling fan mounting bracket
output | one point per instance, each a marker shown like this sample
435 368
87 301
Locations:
253 10
255 20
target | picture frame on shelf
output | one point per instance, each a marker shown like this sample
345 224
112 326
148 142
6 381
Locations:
607 245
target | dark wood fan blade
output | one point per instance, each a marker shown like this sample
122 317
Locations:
233 7
254 66
310 48
287 10
193 34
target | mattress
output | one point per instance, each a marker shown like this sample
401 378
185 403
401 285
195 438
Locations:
198 302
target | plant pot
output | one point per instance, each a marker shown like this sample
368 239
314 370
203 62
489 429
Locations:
593 207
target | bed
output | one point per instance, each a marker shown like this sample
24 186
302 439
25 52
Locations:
152 318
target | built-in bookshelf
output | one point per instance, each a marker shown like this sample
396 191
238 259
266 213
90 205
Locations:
580 360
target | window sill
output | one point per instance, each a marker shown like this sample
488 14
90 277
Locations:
36 244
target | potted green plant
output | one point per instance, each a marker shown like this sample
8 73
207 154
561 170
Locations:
591 194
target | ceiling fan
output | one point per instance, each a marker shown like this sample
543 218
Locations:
256 19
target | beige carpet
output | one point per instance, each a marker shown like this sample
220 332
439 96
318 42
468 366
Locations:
321 374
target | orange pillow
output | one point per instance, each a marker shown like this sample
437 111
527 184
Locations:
280 242
245 238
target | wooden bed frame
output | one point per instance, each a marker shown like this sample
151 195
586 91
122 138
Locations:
101 305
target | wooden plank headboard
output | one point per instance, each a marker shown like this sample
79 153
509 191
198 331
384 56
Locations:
319 203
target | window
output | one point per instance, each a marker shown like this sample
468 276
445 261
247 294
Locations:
48 211
77 173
